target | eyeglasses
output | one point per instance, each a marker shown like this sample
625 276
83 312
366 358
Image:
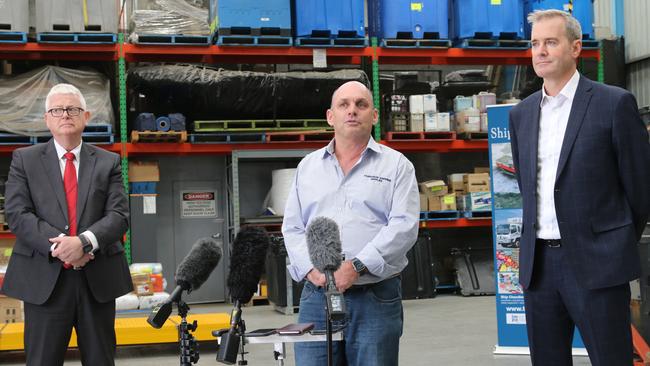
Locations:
72 111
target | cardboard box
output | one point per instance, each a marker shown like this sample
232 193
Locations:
424 204
456 184
142 284
448 202
429 103
457 187
144 171
416 104
416 123
11 310
477 182
5 254
478 201
482 169
468 120
433 188
434 203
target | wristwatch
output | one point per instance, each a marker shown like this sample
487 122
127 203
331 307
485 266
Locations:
359 267
86 244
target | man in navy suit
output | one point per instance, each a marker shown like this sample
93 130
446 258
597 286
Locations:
582 158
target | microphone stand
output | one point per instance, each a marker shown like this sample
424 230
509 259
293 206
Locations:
334 310
232 339
189 347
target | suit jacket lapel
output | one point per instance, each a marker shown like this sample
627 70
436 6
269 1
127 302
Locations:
534 137
86 167
576 117
52 167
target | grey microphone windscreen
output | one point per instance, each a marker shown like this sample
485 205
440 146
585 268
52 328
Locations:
324 244
197 265
247 262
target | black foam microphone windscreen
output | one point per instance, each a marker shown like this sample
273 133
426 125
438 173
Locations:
197 265
324 244
247 262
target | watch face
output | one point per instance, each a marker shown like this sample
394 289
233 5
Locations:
358 266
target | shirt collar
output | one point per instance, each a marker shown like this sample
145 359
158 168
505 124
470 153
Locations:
372 145
60 150
567 92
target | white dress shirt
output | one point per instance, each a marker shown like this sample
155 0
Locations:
60 151
553 119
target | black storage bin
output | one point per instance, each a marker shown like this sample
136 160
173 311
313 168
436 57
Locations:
417 277
474 271
276 275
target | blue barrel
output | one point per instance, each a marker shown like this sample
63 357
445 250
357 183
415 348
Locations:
417 19
325 18
253 14
488 19
583 10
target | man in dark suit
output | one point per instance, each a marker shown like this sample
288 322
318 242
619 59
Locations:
68 263
582 158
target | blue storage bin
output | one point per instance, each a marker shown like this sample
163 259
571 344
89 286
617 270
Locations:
407 19
583 10
488 19
143 187
268 17
325 18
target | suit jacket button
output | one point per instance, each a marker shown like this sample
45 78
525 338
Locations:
66 227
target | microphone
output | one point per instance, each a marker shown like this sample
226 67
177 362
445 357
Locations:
246 266
324 246
191 273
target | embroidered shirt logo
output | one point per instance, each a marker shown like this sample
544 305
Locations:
377 178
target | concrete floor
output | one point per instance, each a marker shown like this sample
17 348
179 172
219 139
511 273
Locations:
447 330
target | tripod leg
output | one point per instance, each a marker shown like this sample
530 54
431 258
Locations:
279 352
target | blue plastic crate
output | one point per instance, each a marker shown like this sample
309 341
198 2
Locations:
329 19
583 10
406 19
488 19
251 17
142 187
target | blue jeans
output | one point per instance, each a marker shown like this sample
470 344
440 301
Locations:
374 326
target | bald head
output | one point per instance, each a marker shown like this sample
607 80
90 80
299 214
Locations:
350 85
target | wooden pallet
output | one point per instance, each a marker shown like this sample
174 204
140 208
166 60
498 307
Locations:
158 136
410 136
259 125
302 136
472 135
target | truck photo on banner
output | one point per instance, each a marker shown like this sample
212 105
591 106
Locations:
506 234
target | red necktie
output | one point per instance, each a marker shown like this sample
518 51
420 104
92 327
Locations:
70 185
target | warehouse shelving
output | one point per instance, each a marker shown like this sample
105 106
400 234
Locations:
125 52
214 54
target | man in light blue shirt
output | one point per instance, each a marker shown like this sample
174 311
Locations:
371 192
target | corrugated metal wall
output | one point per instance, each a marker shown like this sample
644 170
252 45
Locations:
638 81
603 18
637 40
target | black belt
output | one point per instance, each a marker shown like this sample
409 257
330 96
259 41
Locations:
367 286
551 243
